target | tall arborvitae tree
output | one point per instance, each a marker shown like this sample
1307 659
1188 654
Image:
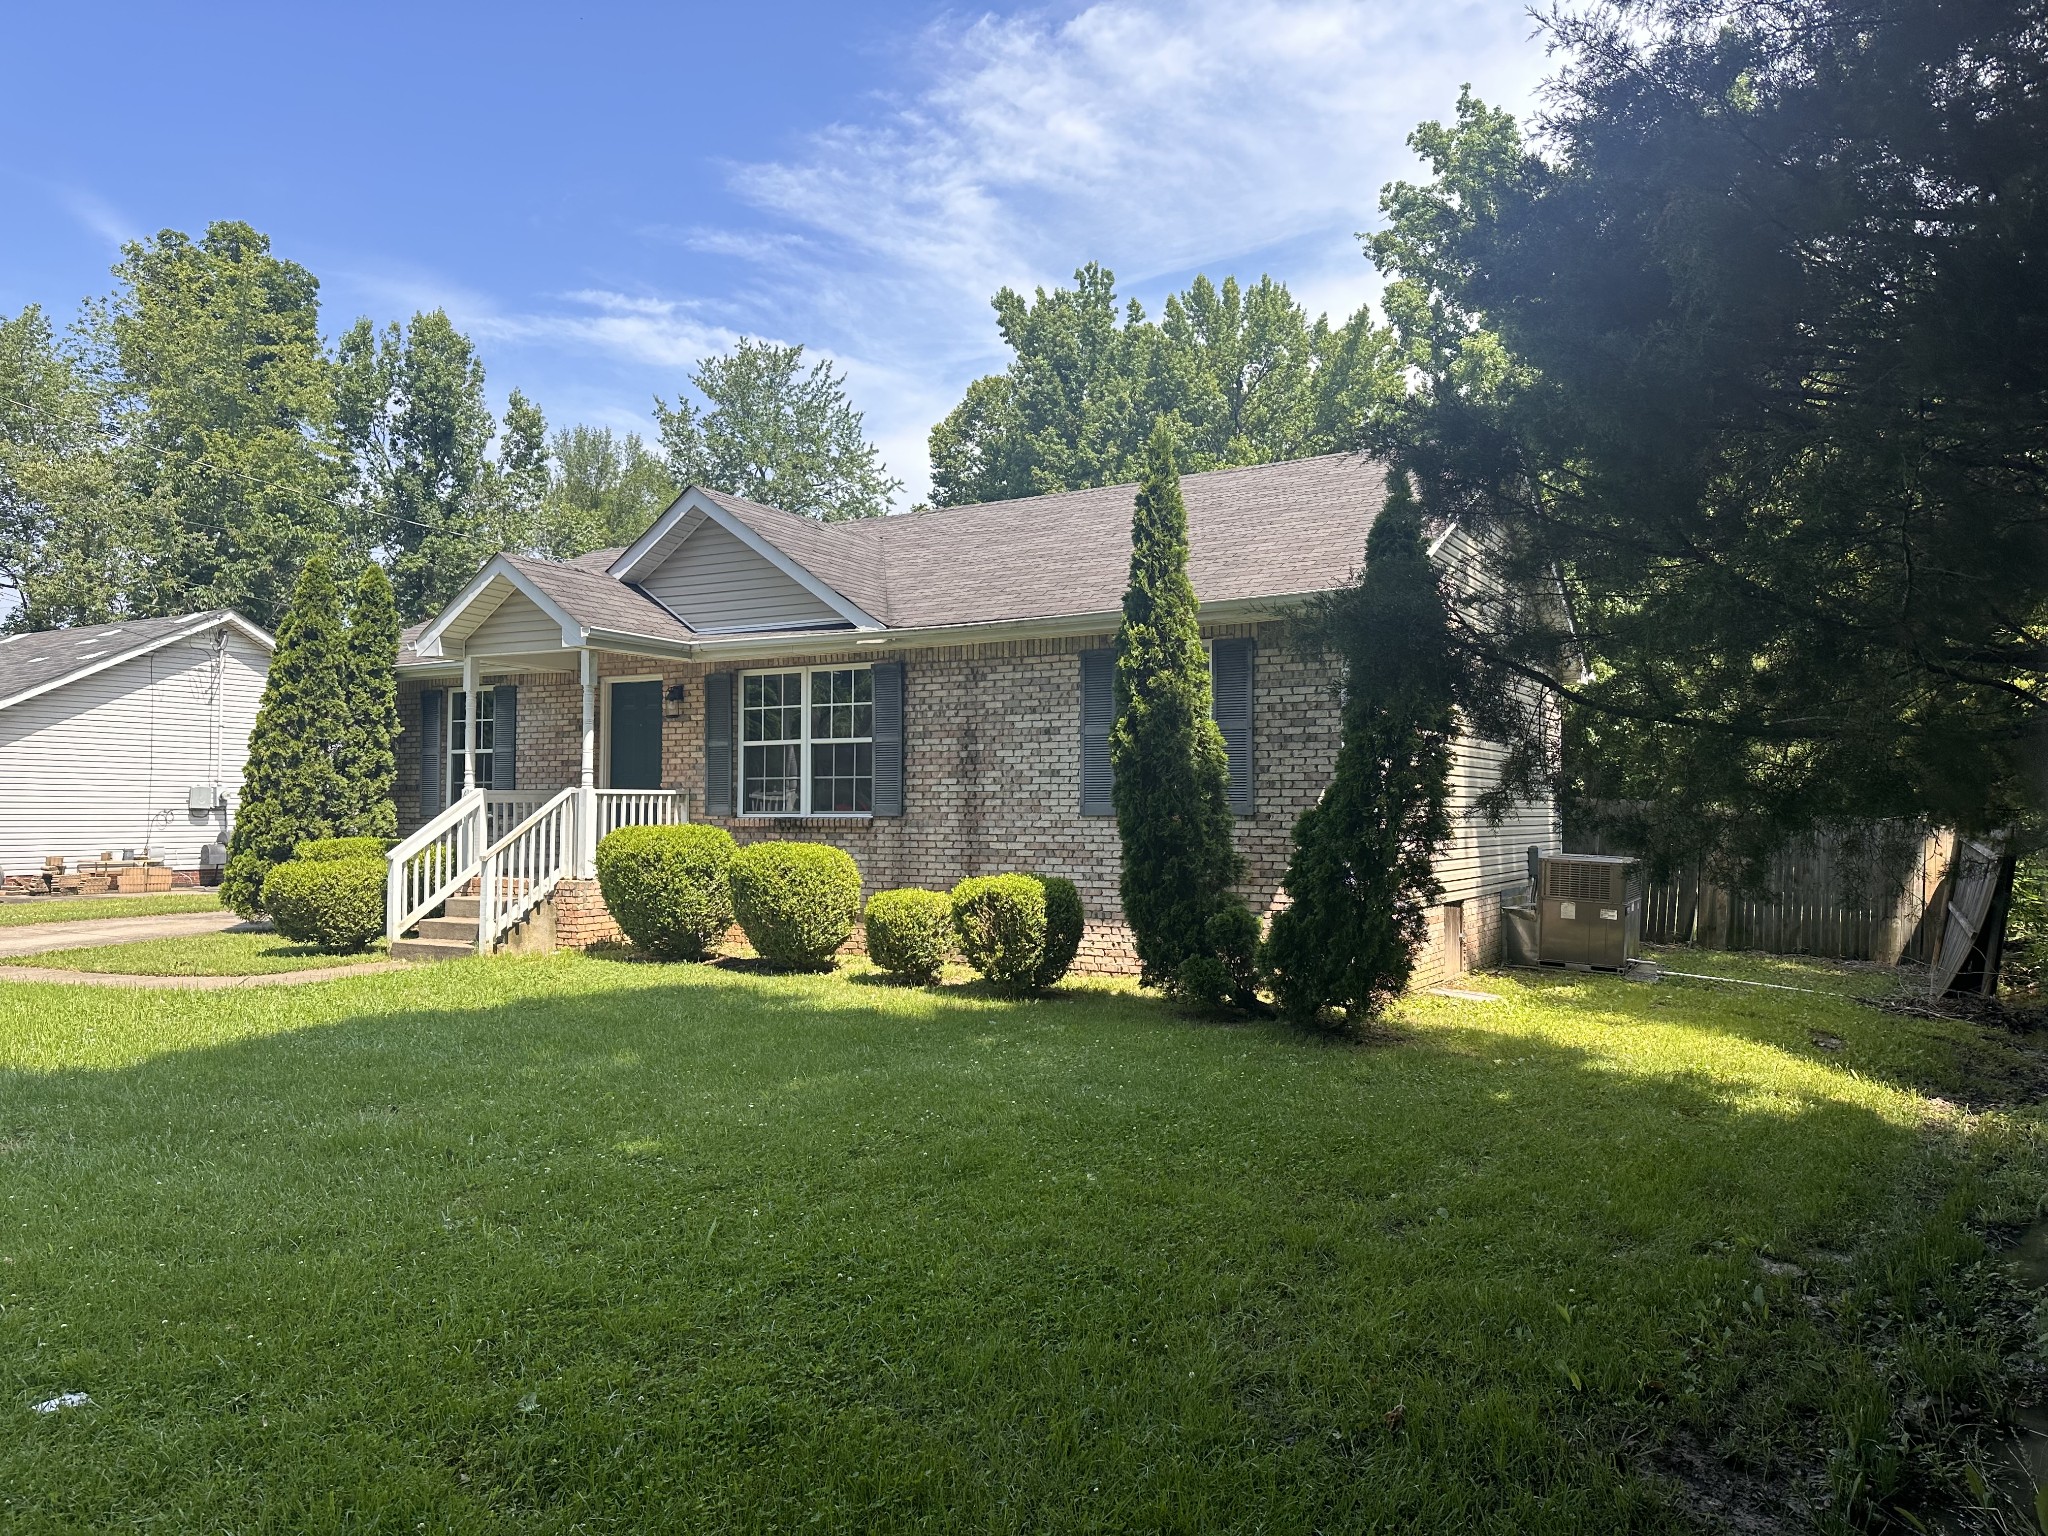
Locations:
1172 787
367 762
290 787
1362 876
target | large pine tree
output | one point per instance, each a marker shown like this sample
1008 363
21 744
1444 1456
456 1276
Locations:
1362 876
1172 790
367 763
291 789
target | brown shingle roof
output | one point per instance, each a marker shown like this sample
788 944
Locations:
598 601
1268 531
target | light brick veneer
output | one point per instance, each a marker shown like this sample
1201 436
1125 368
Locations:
992 767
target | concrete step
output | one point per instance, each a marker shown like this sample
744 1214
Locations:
463 906
459 929
433 949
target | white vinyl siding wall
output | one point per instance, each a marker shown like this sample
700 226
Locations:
711 581
105 763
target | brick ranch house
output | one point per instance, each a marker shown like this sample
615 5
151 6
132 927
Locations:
930 692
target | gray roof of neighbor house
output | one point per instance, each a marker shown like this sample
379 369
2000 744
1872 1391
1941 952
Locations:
36 661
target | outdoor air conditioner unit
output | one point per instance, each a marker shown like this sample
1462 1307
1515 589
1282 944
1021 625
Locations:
1591 909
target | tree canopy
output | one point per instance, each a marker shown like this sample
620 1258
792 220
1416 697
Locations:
775 431
1246 376
1744 357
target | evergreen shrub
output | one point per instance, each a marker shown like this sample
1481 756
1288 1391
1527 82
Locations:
1018 931
332 904
797 902
910 932
319 848
669 888
1172 776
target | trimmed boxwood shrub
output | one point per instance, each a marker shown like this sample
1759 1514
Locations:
332 904
910 932
1063 923
1018 931
668 887
318 848
796 901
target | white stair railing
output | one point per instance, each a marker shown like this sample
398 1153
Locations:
522 869
505 809
435 862
618 808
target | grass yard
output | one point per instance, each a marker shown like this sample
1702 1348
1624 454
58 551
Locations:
199 954
575 1244
71 909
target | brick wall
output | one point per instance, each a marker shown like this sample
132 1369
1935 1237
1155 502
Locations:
991 772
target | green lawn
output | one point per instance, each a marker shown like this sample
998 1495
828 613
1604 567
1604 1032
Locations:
199 954
574 1244
71 909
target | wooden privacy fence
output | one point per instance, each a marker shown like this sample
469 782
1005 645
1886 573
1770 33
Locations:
1870 893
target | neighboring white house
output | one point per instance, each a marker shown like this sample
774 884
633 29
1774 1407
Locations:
125 736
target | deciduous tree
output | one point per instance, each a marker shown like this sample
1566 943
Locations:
774 431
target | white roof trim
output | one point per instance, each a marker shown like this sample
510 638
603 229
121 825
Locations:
694 500
204 622
429 641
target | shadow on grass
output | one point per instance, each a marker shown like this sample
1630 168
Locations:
777 1249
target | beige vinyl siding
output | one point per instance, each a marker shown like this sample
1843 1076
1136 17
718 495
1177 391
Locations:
516 625
711 581
104 763
1484 857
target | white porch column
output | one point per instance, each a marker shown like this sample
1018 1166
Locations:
469 670
586 797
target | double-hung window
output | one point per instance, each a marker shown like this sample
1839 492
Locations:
486 732
807 742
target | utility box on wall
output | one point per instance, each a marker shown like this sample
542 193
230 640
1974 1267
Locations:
1591 911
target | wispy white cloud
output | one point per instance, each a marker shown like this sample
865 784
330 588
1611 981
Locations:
98 215
1160 139
1157 139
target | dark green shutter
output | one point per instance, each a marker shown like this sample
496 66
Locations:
1233 679
505 736
719 748
888 753
1098 713
431 748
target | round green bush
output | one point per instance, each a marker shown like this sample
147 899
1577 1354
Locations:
910 932
1000 921
668 887
796 901
332 904
343 848
1064 920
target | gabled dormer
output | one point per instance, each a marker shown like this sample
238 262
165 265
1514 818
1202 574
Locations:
706 563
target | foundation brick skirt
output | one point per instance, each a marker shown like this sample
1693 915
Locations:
581 917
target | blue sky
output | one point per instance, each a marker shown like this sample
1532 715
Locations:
600 194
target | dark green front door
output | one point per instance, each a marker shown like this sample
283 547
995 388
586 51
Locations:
636 736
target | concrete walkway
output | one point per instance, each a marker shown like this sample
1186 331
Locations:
41 938
35 938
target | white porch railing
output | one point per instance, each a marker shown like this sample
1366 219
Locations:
435 862
618 808
517 845
522 869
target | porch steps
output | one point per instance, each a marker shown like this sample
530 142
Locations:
451 936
